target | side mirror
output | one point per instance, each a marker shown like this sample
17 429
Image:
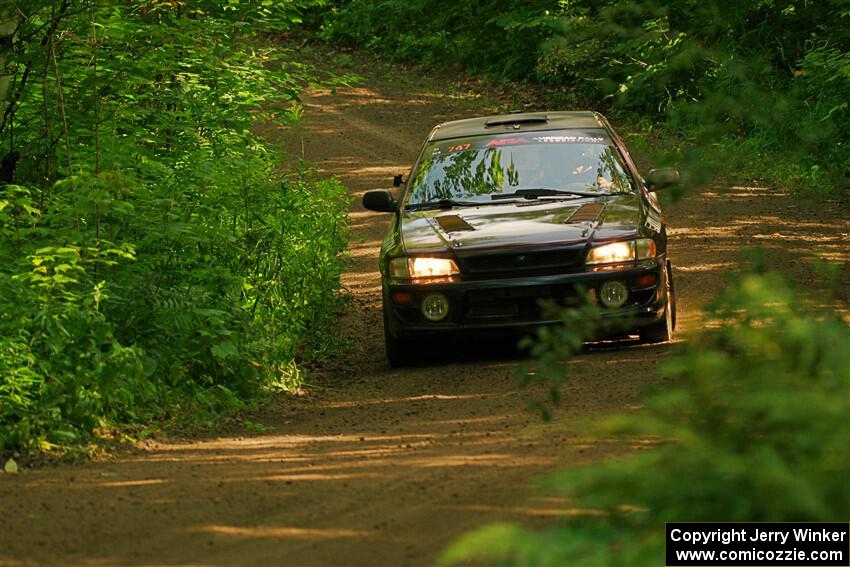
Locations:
661 178
380 200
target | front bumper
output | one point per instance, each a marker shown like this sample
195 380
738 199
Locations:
512 305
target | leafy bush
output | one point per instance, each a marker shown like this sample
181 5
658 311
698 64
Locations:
753 427
497 38
153 263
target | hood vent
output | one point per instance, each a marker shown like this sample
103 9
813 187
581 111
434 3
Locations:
453 223
586 213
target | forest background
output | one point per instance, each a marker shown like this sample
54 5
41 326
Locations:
157 265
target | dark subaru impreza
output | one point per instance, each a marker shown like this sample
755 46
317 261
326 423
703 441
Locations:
501 212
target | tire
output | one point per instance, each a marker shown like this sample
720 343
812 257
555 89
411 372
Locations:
662 331
400 352
672 292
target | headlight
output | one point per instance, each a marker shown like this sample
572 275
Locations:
415 268
617 252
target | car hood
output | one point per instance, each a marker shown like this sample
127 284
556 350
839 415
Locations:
528 224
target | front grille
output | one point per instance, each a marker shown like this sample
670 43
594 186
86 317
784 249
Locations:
518 303
523 304
515 304
521 263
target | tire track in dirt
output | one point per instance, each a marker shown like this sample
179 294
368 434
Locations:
380 466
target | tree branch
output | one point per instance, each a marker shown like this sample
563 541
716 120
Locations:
9 112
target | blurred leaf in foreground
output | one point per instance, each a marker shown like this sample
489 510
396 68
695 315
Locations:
754 428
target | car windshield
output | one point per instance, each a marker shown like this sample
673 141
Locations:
555 164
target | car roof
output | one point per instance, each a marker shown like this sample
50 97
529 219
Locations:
518 122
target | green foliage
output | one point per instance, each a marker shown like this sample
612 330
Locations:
755 410
499 38
761 86
153 264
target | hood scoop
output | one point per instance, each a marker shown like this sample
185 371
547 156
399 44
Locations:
586 213
453 223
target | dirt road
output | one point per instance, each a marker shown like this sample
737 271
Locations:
378 466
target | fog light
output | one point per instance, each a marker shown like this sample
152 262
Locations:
435 306
613 294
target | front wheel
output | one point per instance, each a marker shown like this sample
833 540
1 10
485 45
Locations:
662 331
400 352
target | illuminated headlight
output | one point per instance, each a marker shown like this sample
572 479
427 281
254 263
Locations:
435 307
615 252
613 294
415 268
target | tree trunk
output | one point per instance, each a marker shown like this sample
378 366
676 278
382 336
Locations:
9 20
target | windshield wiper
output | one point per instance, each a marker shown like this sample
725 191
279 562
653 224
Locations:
441 204
542 192
518 194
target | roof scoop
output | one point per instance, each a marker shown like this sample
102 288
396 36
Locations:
516 120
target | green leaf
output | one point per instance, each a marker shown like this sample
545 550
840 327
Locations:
494 542
224 350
